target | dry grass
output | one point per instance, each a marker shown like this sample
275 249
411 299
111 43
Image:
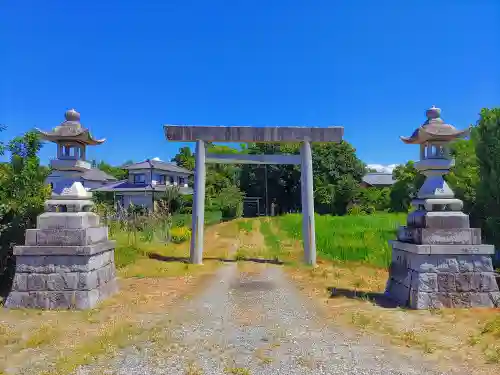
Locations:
57 342
349 295
252 242
237 371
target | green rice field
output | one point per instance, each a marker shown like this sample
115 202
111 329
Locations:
349 238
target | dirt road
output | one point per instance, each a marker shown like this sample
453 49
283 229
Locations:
256 323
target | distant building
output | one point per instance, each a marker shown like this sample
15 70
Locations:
377 179
147 182
70 165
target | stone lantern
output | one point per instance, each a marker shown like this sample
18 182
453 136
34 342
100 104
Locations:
67 262
438 260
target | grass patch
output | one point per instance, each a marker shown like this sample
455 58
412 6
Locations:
271 239
7 336
151 268
180 234
237 371
106 342
245 226
492 354
125 255
349 238
492 328
184 220
40 337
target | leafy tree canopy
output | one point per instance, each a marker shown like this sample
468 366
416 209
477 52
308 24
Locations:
488 158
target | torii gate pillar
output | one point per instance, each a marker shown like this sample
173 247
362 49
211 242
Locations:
198 220
308 227
246 134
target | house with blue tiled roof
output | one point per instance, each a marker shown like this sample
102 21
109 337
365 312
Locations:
147 182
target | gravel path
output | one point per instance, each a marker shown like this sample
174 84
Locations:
257 324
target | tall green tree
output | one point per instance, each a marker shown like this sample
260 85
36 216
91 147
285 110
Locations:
281 183
337 173
219 177
117 172
408 181
22 195
488 157
336 165
464 175
184 158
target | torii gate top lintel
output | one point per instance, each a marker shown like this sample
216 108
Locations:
249 134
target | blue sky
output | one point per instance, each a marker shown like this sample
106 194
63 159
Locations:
131 66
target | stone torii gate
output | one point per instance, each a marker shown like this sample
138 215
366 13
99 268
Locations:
248 134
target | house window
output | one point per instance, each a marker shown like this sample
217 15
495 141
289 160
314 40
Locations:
181 181
160 179
139 178
171 179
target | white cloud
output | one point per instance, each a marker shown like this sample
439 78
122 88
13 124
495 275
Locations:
382 168
157 159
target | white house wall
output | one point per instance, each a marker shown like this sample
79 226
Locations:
147 175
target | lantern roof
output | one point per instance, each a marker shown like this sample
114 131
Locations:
434 129
70 130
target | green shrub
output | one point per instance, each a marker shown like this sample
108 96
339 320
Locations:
180 234
232 212
355 210
230 201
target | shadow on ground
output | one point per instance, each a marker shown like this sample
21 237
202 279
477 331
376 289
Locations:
164 258
379 299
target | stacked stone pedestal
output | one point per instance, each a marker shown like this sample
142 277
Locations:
66 263
441 266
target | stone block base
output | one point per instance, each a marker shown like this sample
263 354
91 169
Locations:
64 277
426 280
78 299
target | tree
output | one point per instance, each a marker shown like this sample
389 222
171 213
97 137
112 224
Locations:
218 176
488 157
117 172
230 202
22 196
184 158
336 165
408 182
373 199
283 181
464 175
